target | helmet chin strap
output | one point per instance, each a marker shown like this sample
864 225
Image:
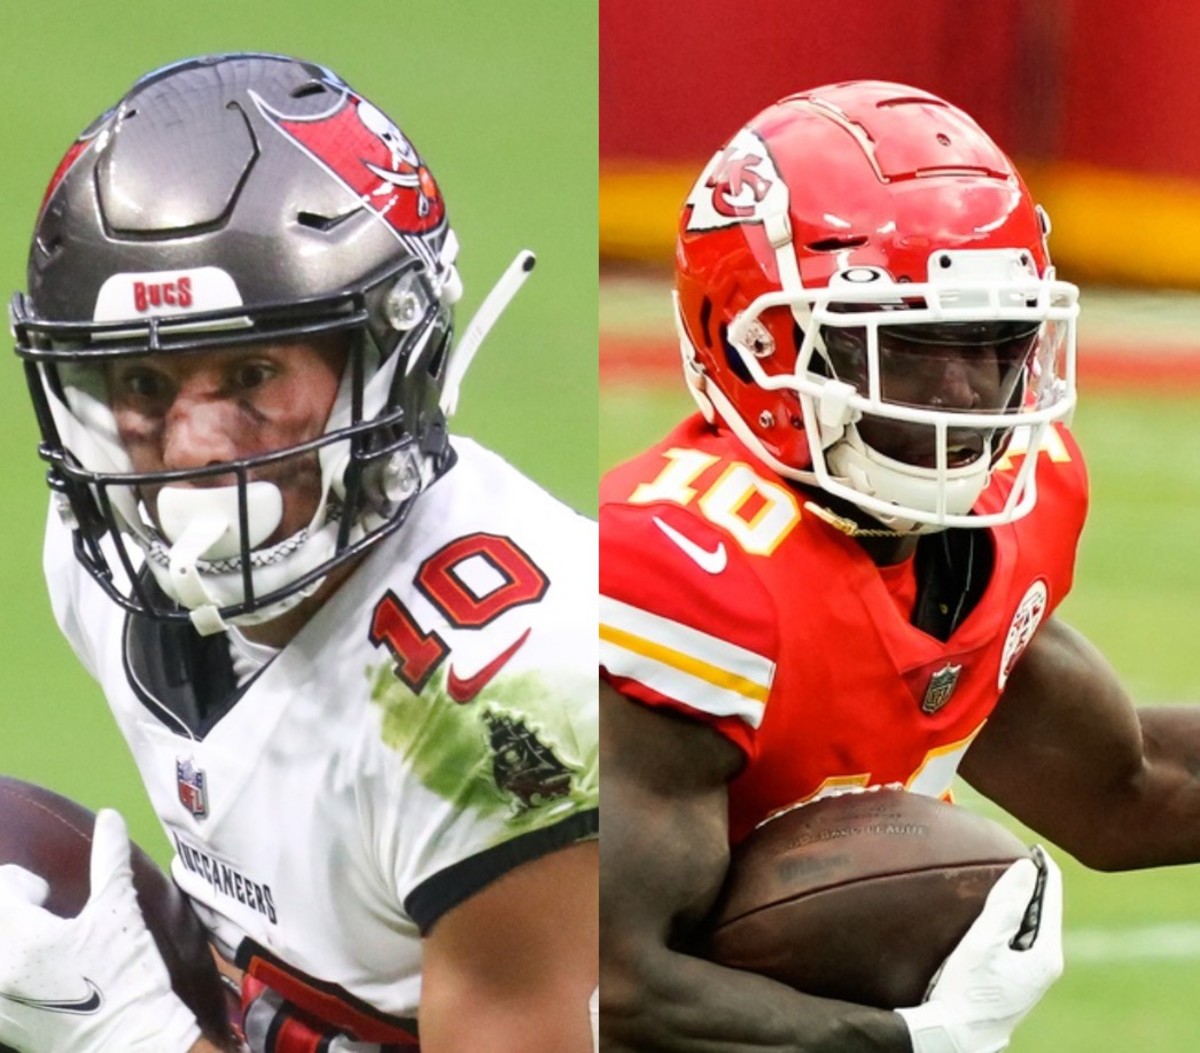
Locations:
202 523
480 325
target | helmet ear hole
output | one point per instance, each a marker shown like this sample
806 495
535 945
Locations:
705 318
732 358
437 358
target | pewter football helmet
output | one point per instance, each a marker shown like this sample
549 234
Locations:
226 200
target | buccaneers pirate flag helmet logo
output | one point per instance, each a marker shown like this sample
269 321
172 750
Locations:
363 148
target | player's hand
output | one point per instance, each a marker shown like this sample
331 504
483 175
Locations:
94 983
1007 960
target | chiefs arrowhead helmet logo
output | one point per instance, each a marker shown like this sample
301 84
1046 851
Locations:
369 154
739 185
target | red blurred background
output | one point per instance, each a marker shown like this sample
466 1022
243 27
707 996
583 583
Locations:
1096 102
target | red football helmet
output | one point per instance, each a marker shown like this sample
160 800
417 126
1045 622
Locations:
865 297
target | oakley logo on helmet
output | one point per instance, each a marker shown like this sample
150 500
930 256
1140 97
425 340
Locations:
373 158
740 185
858 276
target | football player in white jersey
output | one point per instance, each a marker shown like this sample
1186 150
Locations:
353 657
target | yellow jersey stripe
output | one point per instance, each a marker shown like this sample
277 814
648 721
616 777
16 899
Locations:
718 677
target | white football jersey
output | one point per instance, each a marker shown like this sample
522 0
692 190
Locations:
433 726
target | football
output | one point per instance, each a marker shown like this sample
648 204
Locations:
859 896
52 837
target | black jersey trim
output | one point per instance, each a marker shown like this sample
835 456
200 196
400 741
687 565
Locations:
182 678
954 569
448 888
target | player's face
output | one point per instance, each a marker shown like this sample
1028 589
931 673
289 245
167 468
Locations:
196 409
962 368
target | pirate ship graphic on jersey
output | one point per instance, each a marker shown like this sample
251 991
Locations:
523 765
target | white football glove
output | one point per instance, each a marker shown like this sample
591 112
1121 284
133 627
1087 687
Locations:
94 983
1006 961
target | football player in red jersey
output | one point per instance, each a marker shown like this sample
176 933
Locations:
843 571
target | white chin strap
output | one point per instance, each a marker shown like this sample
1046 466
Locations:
202 524
485 317
900 486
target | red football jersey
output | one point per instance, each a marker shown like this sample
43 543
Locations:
722 596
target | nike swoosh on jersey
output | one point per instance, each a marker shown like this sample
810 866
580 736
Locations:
463 689
711 560
90 1003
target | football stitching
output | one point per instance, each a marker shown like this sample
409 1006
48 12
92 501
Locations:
87 838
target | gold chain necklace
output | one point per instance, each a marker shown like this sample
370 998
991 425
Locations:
846 525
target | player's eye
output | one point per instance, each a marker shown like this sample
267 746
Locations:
252 374
138 382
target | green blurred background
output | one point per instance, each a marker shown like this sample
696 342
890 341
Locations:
501 100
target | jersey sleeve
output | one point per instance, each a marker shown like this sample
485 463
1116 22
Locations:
1049 538
684 620
1063 487
494 759
69 588
513 778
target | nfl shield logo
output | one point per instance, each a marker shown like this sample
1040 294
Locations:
941 687
192 793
